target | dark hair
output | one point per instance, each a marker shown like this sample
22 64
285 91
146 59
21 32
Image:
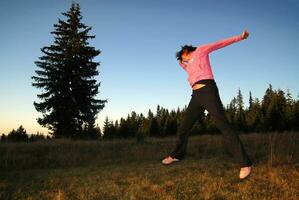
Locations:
185 48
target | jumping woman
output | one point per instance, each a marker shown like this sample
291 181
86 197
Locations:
205 95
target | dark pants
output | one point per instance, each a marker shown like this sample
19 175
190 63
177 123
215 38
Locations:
208 98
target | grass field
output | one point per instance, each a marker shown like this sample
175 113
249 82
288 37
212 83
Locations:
125 169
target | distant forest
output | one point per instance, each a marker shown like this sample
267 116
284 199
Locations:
276 111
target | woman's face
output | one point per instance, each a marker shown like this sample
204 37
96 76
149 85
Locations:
185 56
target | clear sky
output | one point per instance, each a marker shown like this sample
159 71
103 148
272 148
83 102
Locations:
138 40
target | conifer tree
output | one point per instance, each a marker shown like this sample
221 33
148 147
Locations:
123 128
290 112
108 129
253 116
240 120
19 135
66 74
250 100
275 111
232 110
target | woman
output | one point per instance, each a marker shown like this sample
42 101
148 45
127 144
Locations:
195 61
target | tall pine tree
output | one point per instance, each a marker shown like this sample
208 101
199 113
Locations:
240 120
66 74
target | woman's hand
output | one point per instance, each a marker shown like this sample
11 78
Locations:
245 35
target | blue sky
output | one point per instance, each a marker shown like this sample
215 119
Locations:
138 40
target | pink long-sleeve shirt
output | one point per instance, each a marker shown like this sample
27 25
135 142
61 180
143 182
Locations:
198 67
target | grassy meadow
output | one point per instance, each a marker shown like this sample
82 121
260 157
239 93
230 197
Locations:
127 169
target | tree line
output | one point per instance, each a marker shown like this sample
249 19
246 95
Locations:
20 135
276 111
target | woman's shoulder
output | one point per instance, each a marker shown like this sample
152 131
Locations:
200 50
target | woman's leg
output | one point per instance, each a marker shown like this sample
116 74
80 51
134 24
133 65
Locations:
211 101
192 113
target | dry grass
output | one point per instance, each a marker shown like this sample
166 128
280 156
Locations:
129 170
